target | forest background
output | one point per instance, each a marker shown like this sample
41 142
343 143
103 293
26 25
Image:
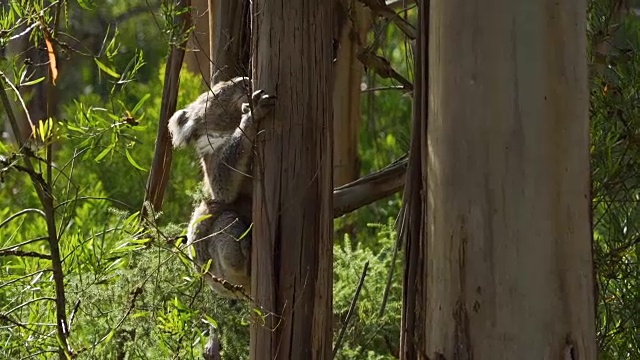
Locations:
131 292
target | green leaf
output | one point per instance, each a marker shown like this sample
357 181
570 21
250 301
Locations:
107 69
86 4
74 128
140 103
133 162
210 321
103 153
32 82
201 219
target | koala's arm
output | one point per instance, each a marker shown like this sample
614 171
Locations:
228 165
222 238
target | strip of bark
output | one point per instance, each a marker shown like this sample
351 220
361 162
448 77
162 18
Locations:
161 165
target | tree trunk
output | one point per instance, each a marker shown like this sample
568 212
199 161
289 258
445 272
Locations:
508 244
292 208
231 55
346 95
198 57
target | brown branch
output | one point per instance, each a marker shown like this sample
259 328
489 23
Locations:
382 67
381 8
398 4
368 189
43 190
352 307
159 174
25 254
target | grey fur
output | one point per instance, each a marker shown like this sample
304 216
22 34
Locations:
222 128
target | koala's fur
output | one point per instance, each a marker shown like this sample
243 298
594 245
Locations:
222 128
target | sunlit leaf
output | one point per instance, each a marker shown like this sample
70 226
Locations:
32 82
133 162
107 69
103 153
140 103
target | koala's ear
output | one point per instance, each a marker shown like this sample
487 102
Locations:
181 117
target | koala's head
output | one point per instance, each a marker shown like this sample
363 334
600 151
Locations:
212 114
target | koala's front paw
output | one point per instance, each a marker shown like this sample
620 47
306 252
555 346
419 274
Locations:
262 103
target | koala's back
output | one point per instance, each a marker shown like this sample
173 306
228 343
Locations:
223 104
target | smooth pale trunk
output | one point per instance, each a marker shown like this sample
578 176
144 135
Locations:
509 264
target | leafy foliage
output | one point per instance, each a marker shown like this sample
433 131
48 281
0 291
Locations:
615 123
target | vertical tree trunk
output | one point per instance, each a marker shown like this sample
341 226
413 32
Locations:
198 57
231 55
346 95
292 209
509 245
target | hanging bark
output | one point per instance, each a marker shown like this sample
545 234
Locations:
508 233
161 165
413 231
292 208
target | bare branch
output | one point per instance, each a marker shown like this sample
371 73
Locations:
352 307
25 254
382 67
368 189
381 8
397 4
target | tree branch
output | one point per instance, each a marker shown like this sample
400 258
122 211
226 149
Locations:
398 4
43 190
370 188
25 254
381 8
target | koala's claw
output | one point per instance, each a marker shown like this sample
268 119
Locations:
261 102
260 98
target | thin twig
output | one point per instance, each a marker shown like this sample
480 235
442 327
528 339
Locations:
45 196
32 254
352 307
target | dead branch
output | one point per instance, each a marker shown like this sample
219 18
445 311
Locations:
381 8
368 189
382 67
397 4
32 254
352 307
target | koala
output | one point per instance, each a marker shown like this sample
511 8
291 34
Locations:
221 125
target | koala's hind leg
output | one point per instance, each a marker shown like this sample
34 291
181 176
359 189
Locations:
220 235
